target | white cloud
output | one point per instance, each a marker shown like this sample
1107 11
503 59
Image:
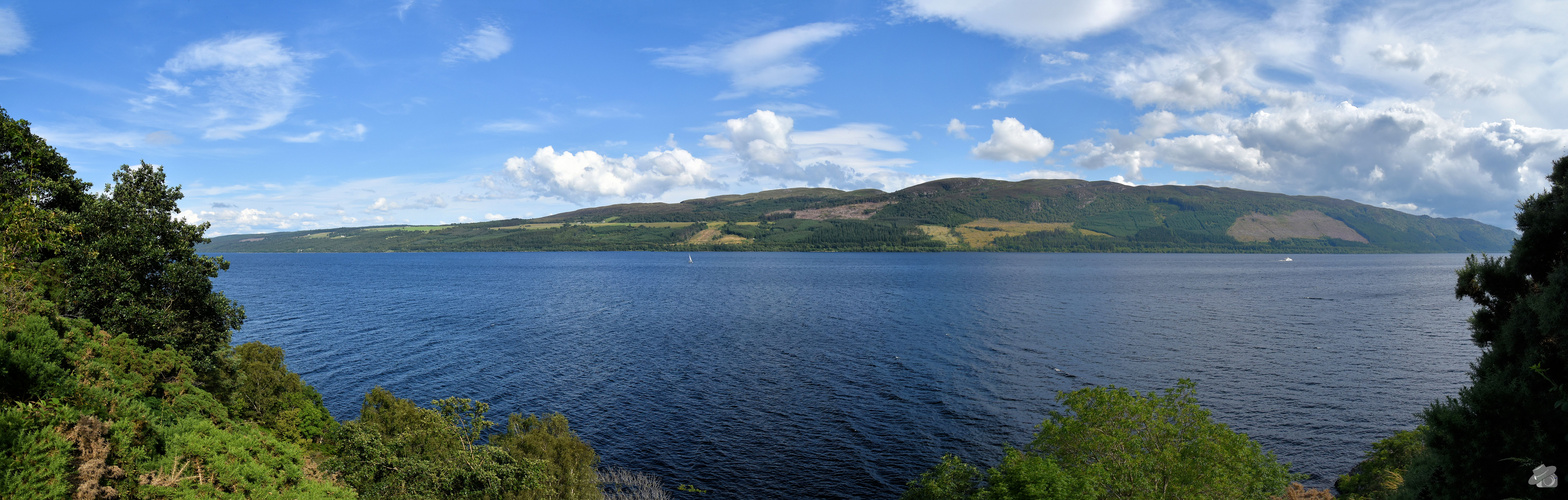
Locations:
957 129
991 104
236 84
1018 83
1011 141
489 216
794 109
486 43
765 145
511 126
587 176
382 204
1393 152
13 37
1186 80
230 220
1063 59
1029 21
771 62
90 138
310 137
1396 56
354 132
1045 174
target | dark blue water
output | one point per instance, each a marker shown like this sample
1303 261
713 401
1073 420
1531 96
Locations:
790 375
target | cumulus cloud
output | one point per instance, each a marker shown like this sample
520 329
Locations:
1395 55
486 43
772 62
1391 152
957 129
588 176
490 216
1011 141
1186 80
1027 21
13 37
230 86
230 220
765 145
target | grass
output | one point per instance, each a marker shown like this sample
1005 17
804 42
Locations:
942 234
980 233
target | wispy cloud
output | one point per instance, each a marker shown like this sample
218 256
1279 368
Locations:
13 37
772 62
486 43
230 86
511 126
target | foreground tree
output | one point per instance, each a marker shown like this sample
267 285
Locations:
1110 442
1514 415
133 268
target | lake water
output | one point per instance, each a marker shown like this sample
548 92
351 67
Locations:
844 375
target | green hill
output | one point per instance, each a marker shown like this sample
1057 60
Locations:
949 214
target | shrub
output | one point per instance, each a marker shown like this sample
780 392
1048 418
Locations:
1111 442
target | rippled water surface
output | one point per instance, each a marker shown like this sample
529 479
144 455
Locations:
834 375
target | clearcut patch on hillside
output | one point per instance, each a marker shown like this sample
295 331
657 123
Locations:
1307 224
860 211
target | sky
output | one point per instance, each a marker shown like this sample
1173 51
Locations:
276 116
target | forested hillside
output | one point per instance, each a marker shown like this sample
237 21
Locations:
944 215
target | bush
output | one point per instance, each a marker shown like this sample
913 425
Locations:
396 449
1382 470
1114 443
568 462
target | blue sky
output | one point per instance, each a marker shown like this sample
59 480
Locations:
299 115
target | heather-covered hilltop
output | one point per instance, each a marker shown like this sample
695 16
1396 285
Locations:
948 214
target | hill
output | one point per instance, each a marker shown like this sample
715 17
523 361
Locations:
963 214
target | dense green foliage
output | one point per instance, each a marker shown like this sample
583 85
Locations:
133 268
396 449
117 379
1124 218
1382 471
1514 415
568 463
1110 442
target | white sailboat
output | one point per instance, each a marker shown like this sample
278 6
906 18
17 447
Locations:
688 258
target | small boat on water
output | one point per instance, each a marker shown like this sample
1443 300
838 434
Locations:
688 258
1286 259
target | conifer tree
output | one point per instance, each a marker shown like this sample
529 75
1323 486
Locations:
1514 416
